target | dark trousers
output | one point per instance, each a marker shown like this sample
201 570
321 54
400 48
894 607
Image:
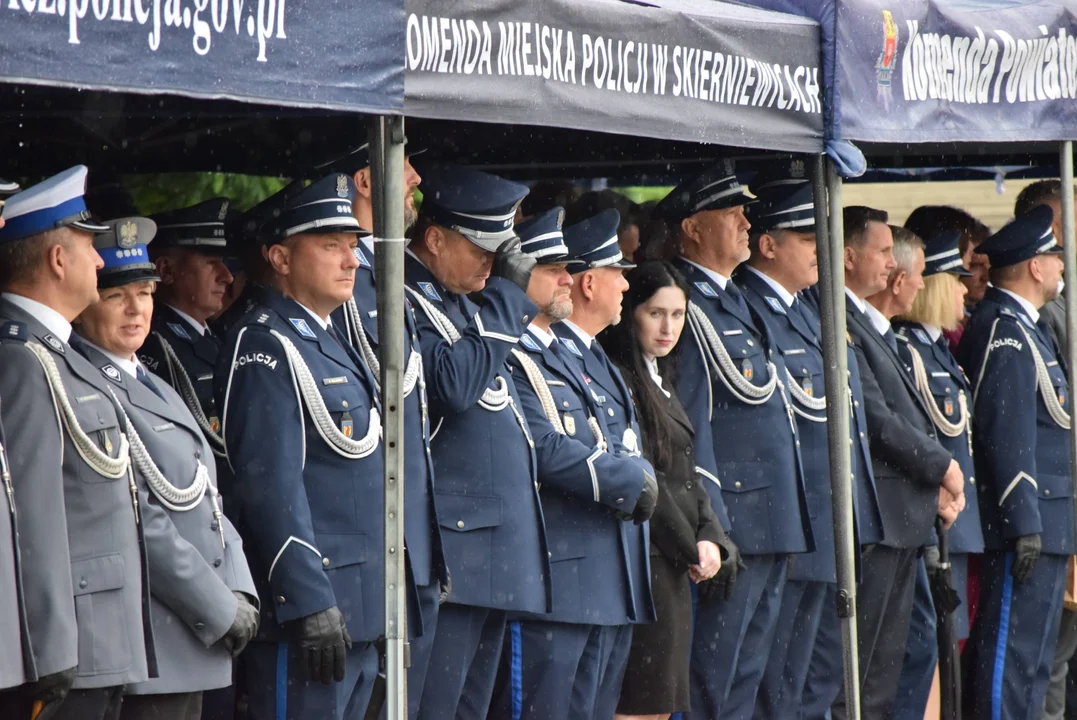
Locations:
463 663
170 706
561 670
421 636
1009 654
95 704
277 687
826 678
732 641
921 652
782 690
883 612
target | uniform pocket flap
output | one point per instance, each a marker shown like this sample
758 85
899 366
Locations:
1054 486
468 512
341 549
344 397
745 478
97 574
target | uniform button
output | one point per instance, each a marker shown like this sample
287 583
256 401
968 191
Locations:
688 451
688 484
536 485
214 526
526 319
798 443
549 554
804 370
861 436
460 524
609 411
856 403
565 403
1046 492
197 454
344 403
280 599
736 484
620 500
972 481
325 562
743 351
199 626
217 563
82 584
751 344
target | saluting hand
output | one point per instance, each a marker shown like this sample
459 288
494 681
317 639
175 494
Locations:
710 562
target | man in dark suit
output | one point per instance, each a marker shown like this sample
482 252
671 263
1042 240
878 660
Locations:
915 477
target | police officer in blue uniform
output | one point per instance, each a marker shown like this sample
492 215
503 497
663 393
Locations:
484 461
422 538
729 377
783 263
301 424
595 494
1021 416
947 395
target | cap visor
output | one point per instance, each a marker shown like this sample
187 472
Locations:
624 264
90 227
126 277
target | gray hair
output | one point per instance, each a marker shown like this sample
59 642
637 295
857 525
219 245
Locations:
906 243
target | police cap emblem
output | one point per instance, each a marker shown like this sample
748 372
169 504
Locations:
128 235
224 210
796 169
342 186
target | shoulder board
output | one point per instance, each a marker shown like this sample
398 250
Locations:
1007 311
775 305
112 373
429 290
178 330
303 328
571 345
921 336
14 331
706 289
1026 320
528 342
361 257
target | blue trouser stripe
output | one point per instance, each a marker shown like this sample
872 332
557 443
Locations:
282 681
517 671
1000 644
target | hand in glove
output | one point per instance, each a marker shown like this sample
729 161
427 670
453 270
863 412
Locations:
720 587
323 644
1026 553
244 627
445 589
647 500
50 689
511 263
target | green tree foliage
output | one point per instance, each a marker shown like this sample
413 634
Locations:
156 193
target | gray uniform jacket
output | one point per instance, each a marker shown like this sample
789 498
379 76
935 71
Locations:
13 640
83 570
192 576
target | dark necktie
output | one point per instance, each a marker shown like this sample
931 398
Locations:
738 297
888 336
78 344
145 379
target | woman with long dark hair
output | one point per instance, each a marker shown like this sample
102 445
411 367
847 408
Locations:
685 533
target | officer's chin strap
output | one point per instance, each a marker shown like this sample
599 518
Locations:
166 493
355 329
549 407
492 399
190 397
323 422
947 428
723 366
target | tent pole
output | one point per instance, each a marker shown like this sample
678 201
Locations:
830 244
387 176
1069 249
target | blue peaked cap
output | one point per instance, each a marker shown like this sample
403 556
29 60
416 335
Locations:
716 188
200 227
943 255
541 237
1023 238
479 206
323 207
54 203
592 243
123 248
8 188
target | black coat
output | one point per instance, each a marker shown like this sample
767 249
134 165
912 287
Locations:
907 460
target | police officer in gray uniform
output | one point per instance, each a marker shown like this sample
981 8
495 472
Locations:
12 609
85 578
203 593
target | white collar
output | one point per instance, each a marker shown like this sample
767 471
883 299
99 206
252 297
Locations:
717 277
198 328
323 322
933 331
53 321
584 337
878 320
545 337
128 365
860 304
1025 305
787 297
652 370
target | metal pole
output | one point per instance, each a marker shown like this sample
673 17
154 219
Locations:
1069 274
387 178
829 238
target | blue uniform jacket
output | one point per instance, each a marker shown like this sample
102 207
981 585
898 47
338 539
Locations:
493 532
796 335
947 382
422 536
614 400
1022 456
751 451
312 518
595 578
197 354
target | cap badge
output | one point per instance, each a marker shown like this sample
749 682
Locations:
128 235
796 169
342 186
224 211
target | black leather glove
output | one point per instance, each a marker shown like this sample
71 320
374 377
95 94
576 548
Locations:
323 643
648 499
50 689
511 263
445 589
244 627
720 587
1026 552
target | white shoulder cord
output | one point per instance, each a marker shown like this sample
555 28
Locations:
355 327
1047 388
947 428
814 404
5 476
492 399
190 397
340 443
722 364
549 407
167 494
